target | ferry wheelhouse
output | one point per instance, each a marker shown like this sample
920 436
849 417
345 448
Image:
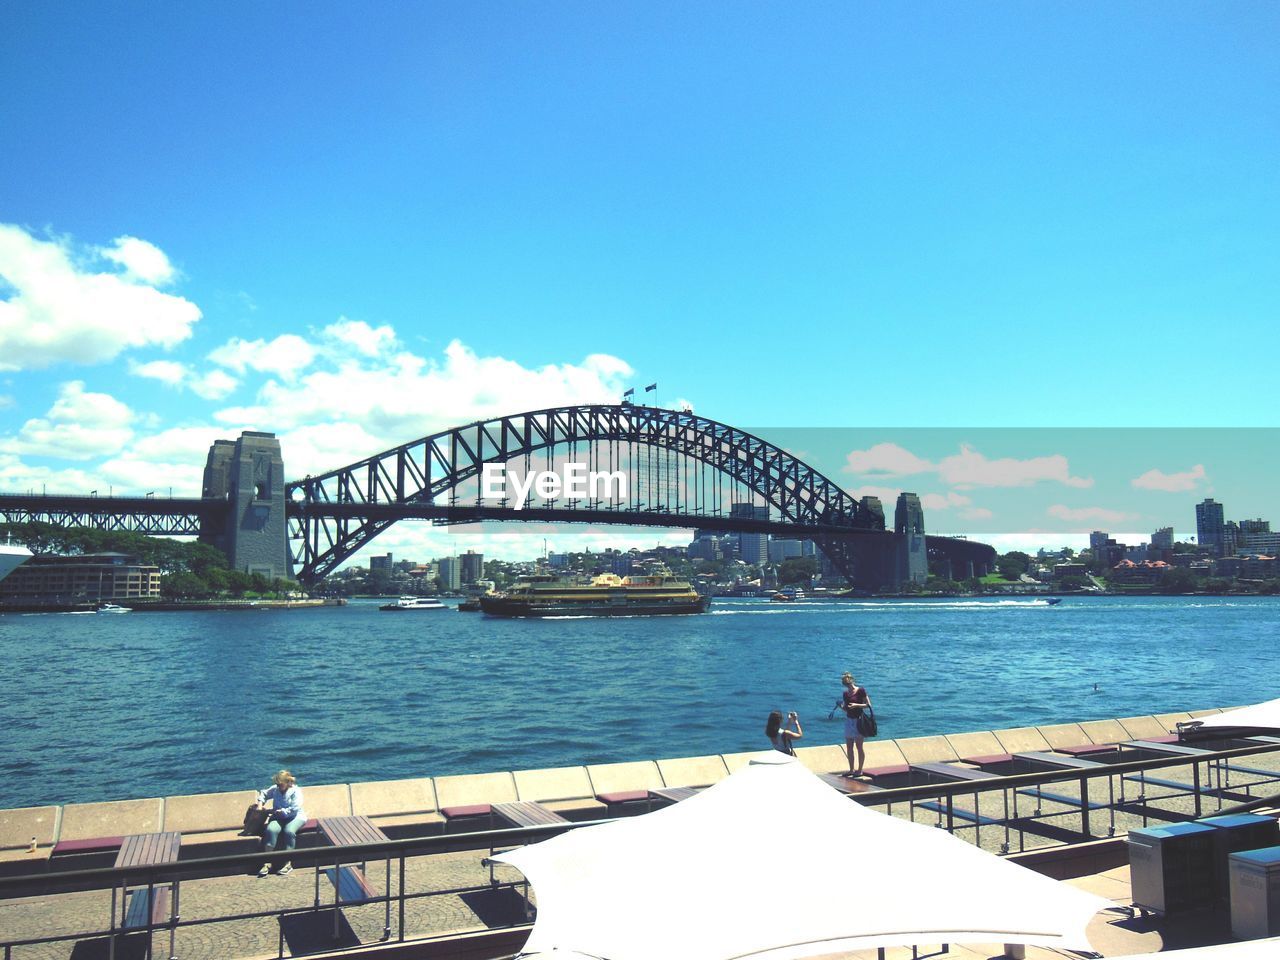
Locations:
606 595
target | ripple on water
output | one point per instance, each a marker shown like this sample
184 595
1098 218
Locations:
470 694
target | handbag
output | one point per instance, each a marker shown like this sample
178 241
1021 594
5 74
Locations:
866 723
255 820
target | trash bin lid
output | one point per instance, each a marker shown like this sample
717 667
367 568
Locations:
1236 820
1267 856
1171 830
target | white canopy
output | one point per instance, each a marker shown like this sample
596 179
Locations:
1245 950
773 864
1263 716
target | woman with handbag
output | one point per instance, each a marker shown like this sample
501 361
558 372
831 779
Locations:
282 802
856 704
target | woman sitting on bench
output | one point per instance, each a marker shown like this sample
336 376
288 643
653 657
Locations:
283 803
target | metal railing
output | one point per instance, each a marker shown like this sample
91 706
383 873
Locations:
1209 774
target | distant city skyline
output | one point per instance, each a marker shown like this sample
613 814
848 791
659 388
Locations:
352 230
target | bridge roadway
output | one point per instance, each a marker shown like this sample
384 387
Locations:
183 516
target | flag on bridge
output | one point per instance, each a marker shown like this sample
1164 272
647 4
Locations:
652 386
627 393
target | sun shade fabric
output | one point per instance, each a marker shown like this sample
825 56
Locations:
1245 950
1260 716
773 864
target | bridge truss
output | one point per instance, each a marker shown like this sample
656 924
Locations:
683 470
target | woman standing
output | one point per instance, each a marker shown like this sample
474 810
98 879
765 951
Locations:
283 803
852 700
781 738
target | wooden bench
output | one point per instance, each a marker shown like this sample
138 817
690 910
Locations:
670 795
90 845
621 798
350 885
849 786
148 908
521 813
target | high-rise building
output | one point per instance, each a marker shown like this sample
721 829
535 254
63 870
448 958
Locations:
1098 546
450 573
381 565
472 566
1250 527
780 550
752 547
1209 525
1162 539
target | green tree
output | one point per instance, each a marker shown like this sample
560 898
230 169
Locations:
797 570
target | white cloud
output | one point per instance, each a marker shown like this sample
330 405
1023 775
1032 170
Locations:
6 401
1088 514
976 513
1170 482
214 385
965 469
356 334
888 459
886 494
969 468
943 501
172 458
402 397
15 475
142 261
62 311
79 426
168 372
286 356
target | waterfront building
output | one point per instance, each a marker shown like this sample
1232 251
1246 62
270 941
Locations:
472 566
450 574
1230 538
1098 546
381 564
1209 525
1250 527
1061 570
753 548
88 578
1258 568
1162 539
1260 543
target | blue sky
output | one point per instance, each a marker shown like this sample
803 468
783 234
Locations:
356 225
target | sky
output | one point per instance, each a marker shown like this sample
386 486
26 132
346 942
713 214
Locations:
355 225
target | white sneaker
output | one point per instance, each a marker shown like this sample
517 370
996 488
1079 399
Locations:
286 869
266 869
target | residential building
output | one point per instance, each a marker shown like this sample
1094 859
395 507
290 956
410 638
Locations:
1209 525
1250 527
1268 543
472 566
1162 539
381 564
450 573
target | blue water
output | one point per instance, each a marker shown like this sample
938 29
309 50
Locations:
98 707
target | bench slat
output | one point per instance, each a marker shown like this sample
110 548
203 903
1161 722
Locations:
1061 798
959 813
351 883
136 915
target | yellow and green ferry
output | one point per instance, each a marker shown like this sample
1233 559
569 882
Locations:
606 595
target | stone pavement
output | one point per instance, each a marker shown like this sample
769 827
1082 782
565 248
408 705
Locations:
79 915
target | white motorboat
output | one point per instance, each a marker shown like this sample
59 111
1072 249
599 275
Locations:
414 603
113 608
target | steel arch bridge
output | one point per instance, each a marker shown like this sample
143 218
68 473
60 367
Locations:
686 471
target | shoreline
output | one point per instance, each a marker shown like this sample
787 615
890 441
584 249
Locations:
169 606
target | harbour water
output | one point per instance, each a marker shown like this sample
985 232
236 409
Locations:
101 708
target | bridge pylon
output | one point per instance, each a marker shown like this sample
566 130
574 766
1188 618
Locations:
248 473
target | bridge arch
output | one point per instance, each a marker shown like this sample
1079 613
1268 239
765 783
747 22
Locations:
332 515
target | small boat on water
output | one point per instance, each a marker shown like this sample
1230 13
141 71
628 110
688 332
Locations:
606 595
113 608
414 603
787 596
1053 601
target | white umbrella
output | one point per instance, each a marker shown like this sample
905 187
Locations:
1261 716
773 864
